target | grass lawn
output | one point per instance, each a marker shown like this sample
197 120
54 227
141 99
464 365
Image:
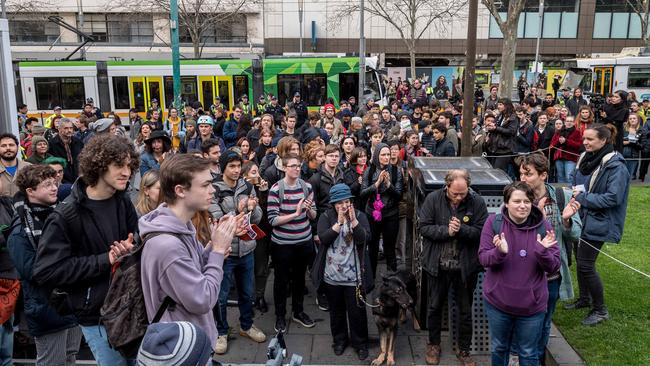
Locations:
625 338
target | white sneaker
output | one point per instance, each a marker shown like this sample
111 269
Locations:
253 333
222 345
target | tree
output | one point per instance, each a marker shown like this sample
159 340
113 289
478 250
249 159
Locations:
508 27
410 18
201 19
642 9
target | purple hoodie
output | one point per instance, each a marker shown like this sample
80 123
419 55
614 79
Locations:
515 283
182 270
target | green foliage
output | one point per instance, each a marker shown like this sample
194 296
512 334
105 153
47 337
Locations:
625 338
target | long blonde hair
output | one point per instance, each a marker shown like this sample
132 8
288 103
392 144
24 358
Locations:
145 204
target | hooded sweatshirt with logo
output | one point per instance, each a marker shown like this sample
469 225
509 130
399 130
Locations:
175 264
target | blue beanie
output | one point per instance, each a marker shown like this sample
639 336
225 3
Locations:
174 344
340 192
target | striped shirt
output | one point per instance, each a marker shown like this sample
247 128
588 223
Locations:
297 230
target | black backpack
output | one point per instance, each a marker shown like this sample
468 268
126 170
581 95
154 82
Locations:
124 313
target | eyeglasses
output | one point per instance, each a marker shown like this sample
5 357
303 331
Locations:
293 166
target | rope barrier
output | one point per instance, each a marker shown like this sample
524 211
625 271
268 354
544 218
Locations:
616 260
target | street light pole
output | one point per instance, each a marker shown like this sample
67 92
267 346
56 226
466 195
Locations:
468 92
362 55
539 36
301 4
80 8
176 58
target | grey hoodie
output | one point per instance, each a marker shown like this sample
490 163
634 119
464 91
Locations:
177 265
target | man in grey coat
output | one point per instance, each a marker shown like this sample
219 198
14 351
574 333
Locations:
234 194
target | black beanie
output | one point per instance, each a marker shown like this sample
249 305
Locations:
227 157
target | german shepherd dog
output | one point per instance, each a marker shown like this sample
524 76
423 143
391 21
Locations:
397 294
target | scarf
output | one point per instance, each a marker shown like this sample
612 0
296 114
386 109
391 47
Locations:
591 160
32 217
566 132
361 169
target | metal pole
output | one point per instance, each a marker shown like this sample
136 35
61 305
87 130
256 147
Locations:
539 36
362 55
8 120
301 4
4 8
80 9
176 57
468 92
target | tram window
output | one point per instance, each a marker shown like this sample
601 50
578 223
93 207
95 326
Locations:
121 92
312 87
348 86
224 93
638 78
189 92
68 93
208 98
241 86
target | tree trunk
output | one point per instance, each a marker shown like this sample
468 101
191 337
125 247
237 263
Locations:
414 74
197 48
508 54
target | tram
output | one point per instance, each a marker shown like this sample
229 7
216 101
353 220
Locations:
118 86
626 71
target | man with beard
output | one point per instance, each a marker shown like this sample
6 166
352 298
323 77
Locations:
68 147
87 235
10 165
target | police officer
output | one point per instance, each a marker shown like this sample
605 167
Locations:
300 108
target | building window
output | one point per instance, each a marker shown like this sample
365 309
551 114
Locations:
32 28
616 19
118 28
560 19
68 92
233 30
312 88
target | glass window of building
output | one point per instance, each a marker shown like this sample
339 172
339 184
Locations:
617 19
560 19
231 30
26 27
118 28
67 92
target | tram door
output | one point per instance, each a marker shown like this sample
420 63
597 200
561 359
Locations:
211 86
603 80
143 90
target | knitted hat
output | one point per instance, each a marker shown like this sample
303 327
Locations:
37 129
340 192
309 135
357 119
227 157
329 105
36 139
174 344
102 124
190 122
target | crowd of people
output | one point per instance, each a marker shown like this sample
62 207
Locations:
217 197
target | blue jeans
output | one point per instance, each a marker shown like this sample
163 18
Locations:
97 340
564 170
7 342
632 164
505 328
553 295
242 271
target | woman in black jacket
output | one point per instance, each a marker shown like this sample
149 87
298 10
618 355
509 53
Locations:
342 267
500 139
615 113
382 186
354 175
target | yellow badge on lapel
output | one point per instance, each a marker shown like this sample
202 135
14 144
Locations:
466 219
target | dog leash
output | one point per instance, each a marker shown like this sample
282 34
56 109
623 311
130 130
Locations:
358 290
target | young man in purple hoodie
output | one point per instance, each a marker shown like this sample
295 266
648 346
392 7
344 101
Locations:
174 263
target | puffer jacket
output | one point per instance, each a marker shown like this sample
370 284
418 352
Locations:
391 195
227 202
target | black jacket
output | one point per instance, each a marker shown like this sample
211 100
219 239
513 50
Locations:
390 196
57 148
74 257
501 140
361 236
301 111
574 104
277 112
351 178
321 182
544 138
443 147
435 214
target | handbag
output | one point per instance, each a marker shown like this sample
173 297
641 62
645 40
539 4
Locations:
9 290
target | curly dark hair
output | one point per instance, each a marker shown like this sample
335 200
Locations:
102 151
32 175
